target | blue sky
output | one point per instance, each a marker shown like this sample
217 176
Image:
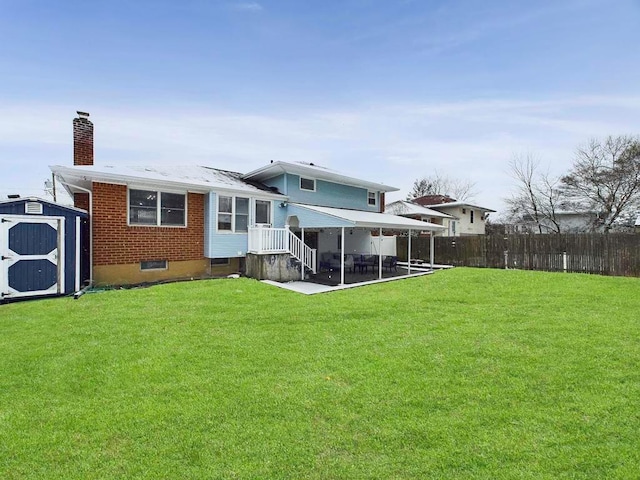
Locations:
389 91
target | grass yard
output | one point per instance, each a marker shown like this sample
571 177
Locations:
467 373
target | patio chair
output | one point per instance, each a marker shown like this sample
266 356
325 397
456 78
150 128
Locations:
325 260
390 262
331 261
370 261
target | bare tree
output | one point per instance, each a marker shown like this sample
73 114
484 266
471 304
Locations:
605 176
438 184
537 198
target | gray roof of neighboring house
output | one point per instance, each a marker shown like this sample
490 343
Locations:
404 208
461 204
314 171
191 177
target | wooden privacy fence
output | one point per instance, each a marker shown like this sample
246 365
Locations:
605 254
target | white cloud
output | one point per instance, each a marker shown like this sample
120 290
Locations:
394 144
248 6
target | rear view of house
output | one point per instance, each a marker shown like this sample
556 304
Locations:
155 223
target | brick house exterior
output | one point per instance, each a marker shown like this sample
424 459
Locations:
152 223
119 247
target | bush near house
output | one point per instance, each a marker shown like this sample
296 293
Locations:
469 373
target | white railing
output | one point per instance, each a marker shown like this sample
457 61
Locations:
268 240
302 252
265 240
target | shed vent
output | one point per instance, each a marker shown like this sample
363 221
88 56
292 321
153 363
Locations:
33 208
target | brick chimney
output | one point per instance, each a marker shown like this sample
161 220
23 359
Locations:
82 140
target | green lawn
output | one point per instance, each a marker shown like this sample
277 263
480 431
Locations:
467 373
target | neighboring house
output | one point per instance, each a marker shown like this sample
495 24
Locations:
566 221
407 209
637 224
154 223
467 219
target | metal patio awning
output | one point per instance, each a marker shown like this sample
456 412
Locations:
311 216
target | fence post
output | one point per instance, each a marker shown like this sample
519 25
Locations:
506 259
564 262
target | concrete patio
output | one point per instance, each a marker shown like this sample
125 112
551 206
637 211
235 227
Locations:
329 281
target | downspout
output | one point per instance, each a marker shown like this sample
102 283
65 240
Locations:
90 225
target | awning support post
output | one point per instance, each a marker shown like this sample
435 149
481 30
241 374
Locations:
302 254
409 253
380 254
431 249
342 258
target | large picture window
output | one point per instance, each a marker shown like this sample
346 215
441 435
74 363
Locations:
153 208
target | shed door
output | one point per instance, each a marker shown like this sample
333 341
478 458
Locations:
32 256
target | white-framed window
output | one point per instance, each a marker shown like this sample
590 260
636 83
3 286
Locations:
241 214
233 213
225 213
308 184
263 212
372 199
156 208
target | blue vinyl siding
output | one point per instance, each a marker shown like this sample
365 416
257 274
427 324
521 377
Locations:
223 245
310 219
279 215
327 194
279 182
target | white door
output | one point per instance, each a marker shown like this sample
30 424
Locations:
31 256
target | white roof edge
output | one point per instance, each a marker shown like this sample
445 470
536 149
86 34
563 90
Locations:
319 173
120 179
420 209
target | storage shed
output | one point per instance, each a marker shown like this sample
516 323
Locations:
43 248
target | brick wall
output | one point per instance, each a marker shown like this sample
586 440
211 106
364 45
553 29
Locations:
82 141
115 243
81 200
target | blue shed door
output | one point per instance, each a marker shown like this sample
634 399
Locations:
32 256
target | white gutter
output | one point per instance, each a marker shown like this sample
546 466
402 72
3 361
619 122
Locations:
90 225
